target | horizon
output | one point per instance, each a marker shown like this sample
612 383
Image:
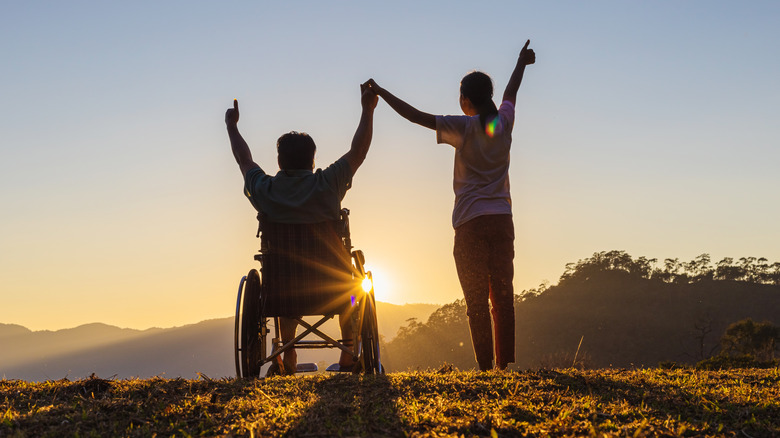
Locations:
174 326
680 267
647 128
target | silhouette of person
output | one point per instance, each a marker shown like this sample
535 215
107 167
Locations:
298 194
482 216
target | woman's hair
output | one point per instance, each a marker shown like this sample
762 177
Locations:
478 88
295 151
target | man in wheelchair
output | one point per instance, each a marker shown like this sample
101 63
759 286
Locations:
300 215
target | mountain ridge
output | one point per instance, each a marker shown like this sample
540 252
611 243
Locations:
205 347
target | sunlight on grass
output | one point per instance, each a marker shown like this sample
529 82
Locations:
645 402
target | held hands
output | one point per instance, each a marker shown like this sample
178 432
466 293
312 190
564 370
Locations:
368 96
374 87
231 115
527 56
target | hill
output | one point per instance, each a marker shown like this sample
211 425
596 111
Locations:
626 322
625 313
205 347
10 330
565 402
111 351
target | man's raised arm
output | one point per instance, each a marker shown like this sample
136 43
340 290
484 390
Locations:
526 57
237 143
365 130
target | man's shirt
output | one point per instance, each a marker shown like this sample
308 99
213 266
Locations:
299 196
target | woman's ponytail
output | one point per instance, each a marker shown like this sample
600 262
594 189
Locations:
478 88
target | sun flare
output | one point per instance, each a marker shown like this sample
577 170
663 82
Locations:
367 284
383 286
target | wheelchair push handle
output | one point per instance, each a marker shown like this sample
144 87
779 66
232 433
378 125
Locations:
344 217
360 262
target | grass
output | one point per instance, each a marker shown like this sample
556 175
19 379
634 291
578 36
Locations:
566 402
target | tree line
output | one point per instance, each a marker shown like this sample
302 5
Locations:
756 270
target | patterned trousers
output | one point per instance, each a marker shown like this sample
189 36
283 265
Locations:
484 253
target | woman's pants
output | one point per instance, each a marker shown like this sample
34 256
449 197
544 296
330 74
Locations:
484 253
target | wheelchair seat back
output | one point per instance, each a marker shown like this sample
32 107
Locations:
306 269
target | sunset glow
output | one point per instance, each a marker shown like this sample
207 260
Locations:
381 283
122 202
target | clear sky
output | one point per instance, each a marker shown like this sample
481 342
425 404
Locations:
649 127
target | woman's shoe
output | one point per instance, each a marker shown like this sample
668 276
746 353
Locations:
273 370
278 368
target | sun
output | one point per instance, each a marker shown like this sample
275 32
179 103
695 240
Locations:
367 284
383 285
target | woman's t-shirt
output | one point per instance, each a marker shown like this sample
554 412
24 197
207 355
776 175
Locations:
481 174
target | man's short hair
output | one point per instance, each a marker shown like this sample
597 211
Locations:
296 151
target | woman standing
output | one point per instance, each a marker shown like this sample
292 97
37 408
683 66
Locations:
482 216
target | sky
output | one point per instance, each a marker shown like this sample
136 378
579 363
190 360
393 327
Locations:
647 127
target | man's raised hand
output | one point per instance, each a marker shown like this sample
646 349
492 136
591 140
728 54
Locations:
231 115
371 83
527 56
368 96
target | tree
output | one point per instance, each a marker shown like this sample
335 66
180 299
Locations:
703 328
726 270
773 274
443 338
608 261
699 268
748 268
643 267
761 270
749 338
673 272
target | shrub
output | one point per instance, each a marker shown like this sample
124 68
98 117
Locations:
724 362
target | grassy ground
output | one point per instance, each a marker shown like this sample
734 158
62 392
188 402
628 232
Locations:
634 403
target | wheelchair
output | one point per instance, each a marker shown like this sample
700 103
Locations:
305 270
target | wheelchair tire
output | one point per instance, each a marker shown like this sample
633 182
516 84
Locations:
237 328
253 339
369 334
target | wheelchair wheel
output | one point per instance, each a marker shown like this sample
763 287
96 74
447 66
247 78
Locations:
237 328
252 336
369 334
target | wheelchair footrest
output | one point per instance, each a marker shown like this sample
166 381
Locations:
306 368
313 344
336 368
